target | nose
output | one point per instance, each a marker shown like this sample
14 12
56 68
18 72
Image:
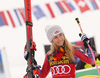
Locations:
59 38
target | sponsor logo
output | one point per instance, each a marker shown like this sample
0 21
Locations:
56 32
64 60
61 69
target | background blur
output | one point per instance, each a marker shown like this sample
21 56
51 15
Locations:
13 39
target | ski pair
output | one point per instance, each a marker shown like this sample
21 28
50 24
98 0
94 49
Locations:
30 45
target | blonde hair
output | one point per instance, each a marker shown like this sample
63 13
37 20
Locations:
68 48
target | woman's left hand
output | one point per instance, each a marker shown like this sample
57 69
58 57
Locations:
85 39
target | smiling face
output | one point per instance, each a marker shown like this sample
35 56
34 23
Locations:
58 40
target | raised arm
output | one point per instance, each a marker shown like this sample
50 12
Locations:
79 53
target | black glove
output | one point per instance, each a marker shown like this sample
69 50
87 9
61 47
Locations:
32 47
85 39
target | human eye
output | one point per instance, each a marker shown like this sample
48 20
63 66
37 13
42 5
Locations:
55 37
60 34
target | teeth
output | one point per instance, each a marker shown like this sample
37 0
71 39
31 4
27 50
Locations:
59 42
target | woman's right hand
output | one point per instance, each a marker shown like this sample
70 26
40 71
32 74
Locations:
37 70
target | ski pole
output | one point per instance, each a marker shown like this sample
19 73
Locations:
77 19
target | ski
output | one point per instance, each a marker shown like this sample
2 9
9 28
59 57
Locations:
30 45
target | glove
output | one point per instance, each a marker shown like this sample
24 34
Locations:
37 70
85 39
32 47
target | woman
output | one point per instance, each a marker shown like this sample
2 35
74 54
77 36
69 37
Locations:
60 59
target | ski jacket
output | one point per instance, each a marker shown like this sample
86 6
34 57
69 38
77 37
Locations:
63 68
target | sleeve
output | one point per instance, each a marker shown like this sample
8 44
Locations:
78 53
45 68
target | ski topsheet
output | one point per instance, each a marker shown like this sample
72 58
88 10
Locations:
29 44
